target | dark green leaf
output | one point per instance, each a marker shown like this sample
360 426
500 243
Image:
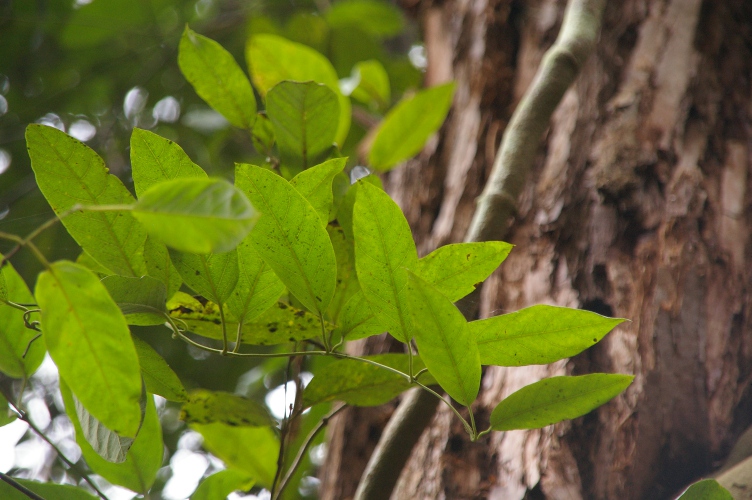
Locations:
538 335
315 184
48 491
88 338
206 407
408 125
214 276
144 457
252 450
222 483
155 159
444 342
273 59
158 376
280 324
217 78
304 116
384 250
141 300
290 237
359 383
376 18
707 489
196 215
14 336
70 174
159 266
258 288
555 399
95 23
6 414
456 269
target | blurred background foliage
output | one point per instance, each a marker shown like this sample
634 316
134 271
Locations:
97 69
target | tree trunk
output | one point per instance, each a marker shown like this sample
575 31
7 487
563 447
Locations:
638 206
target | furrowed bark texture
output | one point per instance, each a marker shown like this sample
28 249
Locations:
638 206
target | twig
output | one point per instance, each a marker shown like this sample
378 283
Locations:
559 67
20 487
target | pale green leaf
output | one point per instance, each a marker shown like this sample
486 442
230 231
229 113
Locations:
48 491
359 383
456 269
345 209
69 174
408 125
707 489
155 159
14 336
376 18
196 215
554 399
217 78
214 275
347 280
290 237
141 300
108 444
538 335
252 450
384 251
444 342
279 324
220 484
273 59
158 376
88 262
144 458
159 265
6 414
262 134
304 116
315 184
88 338
372 84
206 407
356 320
258 288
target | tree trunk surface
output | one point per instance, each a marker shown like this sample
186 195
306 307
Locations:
638 206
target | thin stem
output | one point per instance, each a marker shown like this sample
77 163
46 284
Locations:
474 434
239 336
283 433
421 372
106 208
483 433
20 487
14 305
224 330
448 403
304 448
324 335
375 363
28 346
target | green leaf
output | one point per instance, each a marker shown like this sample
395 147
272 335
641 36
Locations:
280 324
158 376
304 116
69 174
206 407
359 383
357 321
315 184
554 399
6 414
45 490
262 134
196 215
376 18
444 342
217 78
220 484
345 210
538 335
347 280
88 338
273 59
252 450
108 444
290 237
89 263
95 23
408 125
372 84
144 458
14 336
214 275
258 288
456 269
155 159
159 265
3 288
141 300
707 489
384 250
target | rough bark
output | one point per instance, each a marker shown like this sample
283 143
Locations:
638 207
